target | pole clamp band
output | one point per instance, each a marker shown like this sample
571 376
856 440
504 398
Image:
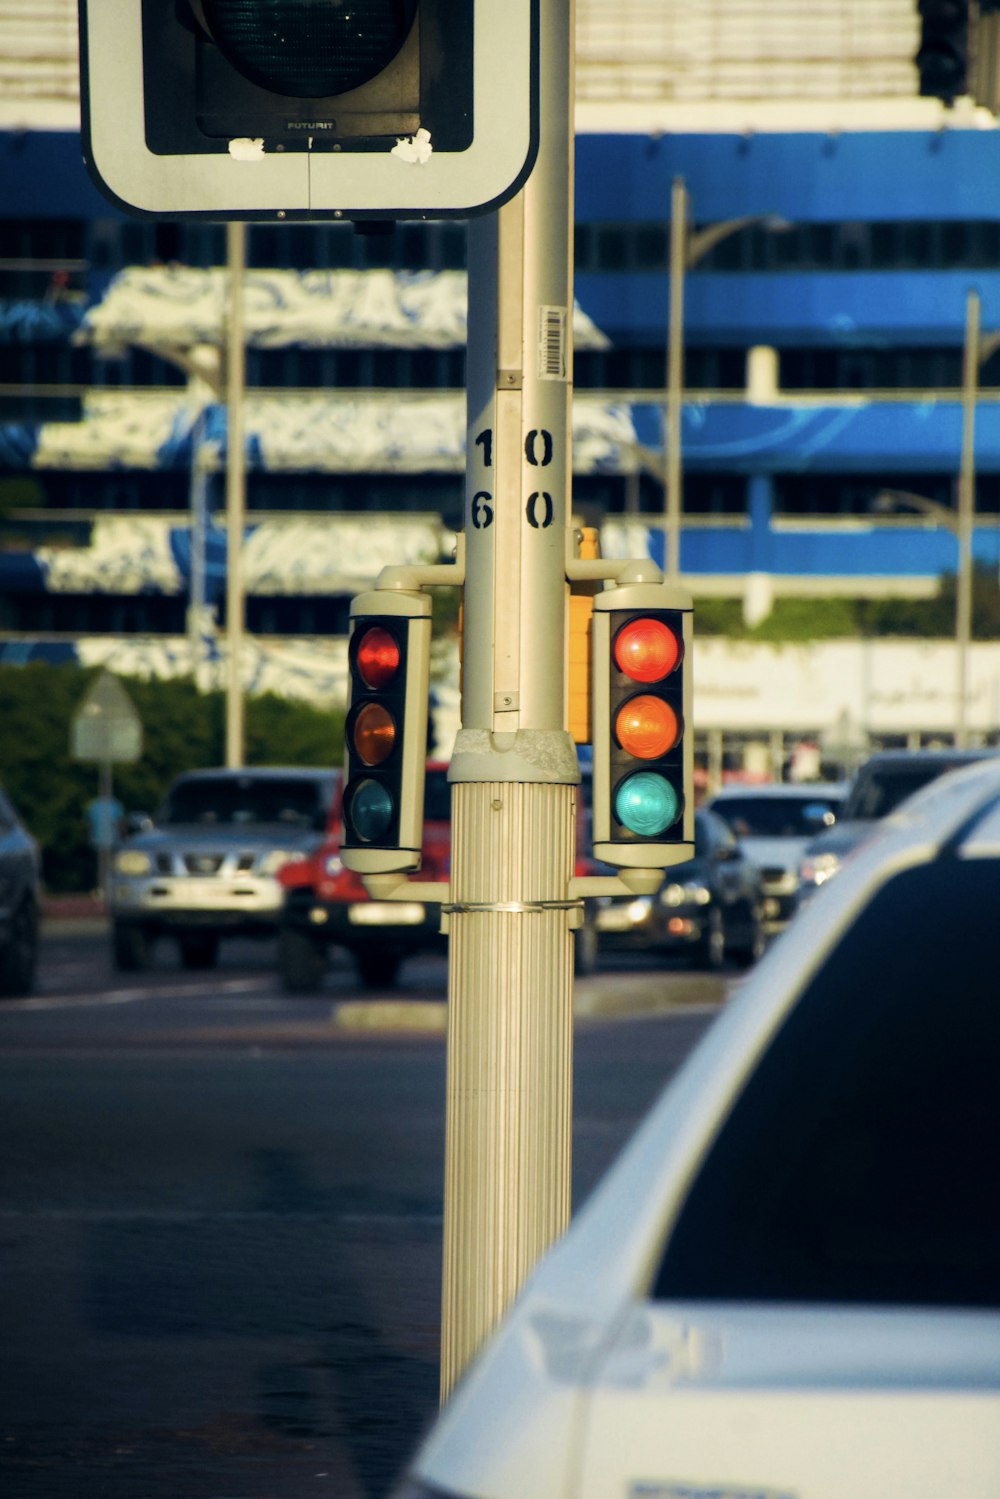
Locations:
468 907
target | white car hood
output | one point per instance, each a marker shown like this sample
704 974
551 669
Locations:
781 1403
590 1390
699 1401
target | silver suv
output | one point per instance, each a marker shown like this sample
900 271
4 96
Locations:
774 824
206 867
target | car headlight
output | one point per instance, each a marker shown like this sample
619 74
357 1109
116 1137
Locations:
818 869
132 861
333 865
691 893
277 858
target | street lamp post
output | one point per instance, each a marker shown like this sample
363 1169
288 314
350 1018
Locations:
679 250
955 522
971 359
235 494
686 248
976 350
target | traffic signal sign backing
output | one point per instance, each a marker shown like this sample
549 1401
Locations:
385 733
264 109
642 730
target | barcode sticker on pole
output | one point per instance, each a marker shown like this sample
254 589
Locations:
552 343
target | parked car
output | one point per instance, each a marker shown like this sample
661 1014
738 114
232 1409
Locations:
710 908
327 907
878 787
20 902
208 865
789 1282
774 824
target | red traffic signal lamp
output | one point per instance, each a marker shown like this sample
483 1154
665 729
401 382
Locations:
385 733
265 109
642 734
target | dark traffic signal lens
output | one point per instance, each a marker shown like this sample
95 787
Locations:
308 48
370 809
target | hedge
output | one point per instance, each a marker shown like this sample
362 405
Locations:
183 729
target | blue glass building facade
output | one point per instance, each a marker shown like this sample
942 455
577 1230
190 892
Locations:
854 271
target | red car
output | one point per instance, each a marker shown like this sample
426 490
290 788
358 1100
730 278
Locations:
327 906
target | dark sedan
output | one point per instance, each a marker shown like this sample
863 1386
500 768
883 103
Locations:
709 908
881 784
19 902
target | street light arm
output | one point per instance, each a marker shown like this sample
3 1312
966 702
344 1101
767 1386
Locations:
686 248
988 345
700 241
894 499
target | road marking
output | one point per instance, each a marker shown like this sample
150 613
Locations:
131 996
200 1215
392 1015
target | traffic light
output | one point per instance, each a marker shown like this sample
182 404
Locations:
642 732
943 56
385 733
283 109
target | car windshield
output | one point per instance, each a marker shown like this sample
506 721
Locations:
244 801
859 1163
880 790
777 816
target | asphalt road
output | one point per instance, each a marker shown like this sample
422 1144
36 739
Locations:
220 1218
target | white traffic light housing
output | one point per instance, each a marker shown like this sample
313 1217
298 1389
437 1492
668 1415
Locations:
385 733
643 801
311 109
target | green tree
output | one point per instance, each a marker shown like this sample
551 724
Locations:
804 619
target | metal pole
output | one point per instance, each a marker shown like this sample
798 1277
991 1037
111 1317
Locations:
514 771
966 510
679 207
235 494
199 521
106 792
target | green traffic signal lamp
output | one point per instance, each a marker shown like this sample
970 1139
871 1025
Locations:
643 760
385 732
646 804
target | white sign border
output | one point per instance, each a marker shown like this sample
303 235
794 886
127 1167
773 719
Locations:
323 184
